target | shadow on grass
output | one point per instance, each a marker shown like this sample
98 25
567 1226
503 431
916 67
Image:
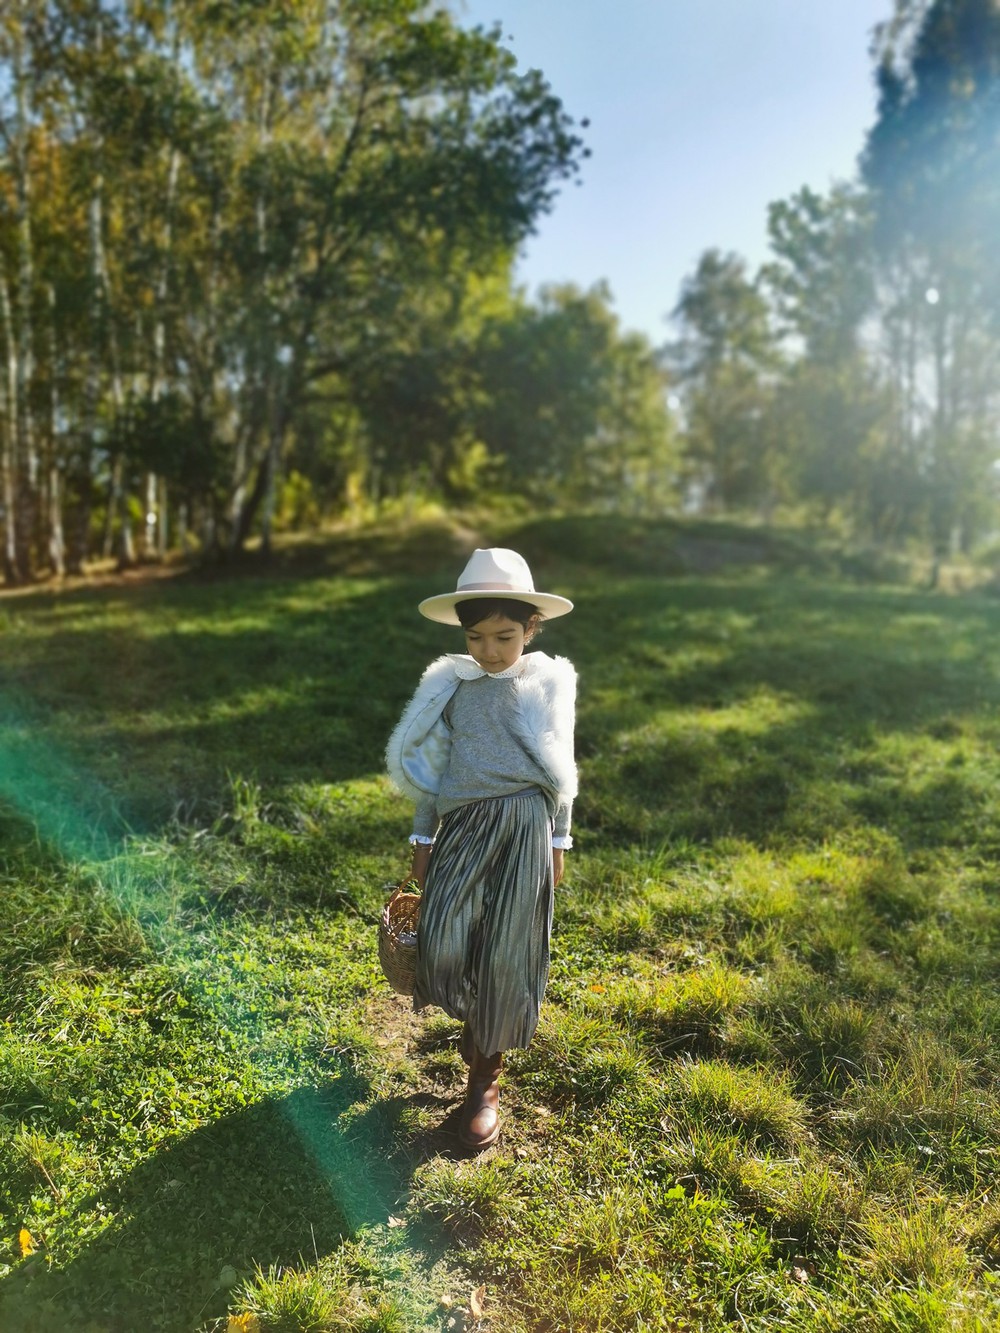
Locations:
114 723
763 709
284 1182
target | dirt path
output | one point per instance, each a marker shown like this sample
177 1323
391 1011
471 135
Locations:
424 1051
109 577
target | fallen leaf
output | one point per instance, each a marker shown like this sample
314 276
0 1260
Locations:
799 1274
397 1221
446 1301
27 1244
477 1301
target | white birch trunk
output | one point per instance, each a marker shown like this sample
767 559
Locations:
156 489
9 453
149 541
272 464
126 555
57 541
162 519
239 491
241 469
27 487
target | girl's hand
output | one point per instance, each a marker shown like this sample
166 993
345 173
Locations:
420 862
557 865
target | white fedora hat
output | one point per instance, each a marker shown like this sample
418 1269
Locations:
493 572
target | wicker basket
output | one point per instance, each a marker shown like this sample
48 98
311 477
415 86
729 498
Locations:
397 937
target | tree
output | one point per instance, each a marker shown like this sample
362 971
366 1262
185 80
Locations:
423 144
829 414
246 201
724 364
932 162
821 276
18 128
573 407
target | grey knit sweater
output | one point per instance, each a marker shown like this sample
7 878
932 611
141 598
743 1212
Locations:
486 757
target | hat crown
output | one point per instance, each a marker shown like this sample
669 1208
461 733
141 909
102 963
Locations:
495 569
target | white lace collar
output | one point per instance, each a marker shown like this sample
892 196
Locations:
467 669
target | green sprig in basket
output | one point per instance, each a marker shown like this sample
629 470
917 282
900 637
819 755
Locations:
397 936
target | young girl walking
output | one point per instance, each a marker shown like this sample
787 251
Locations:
485 750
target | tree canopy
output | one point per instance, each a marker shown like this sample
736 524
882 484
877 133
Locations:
257 266
858 373
210 210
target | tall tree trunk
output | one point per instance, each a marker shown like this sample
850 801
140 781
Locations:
57 543
114 498
57 540
8 462
254 499
126 548
238 501
241 519
78 544
150 515
163 516
26 484
156 491
276 432
271 491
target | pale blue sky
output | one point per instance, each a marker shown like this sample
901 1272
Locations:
702 112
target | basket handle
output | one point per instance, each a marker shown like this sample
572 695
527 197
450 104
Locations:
408 888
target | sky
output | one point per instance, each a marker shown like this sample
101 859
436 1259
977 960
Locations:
702 112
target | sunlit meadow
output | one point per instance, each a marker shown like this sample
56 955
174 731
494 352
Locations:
763 1095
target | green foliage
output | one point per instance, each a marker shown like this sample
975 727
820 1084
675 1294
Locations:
821 275
484 393
883 296
292 1302
930 162
720 360
222 206
570 403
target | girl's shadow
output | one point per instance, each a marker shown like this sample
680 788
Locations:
283 1182
415 1145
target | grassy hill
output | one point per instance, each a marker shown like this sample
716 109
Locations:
764 1091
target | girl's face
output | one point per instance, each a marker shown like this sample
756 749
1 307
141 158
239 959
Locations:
497 642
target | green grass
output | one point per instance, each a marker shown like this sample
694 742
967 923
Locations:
763 1095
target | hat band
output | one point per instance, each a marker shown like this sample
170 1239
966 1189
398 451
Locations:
491 587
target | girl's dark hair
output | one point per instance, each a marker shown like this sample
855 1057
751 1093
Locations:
482 608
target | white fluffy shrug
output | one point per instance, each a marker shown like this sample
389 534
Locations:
543 718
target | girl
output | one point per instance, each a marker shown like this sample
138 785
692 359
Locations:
485 749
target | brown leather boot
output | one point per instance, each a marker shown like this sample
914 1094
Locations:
479 1119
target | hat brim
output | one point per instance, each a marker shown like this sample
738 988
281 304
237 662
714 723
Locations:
442 607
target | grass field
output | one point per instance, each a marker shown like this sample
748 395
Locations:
764 1092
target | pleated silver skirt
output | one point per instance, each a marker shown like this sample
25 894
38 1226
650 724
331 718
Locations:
486 918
